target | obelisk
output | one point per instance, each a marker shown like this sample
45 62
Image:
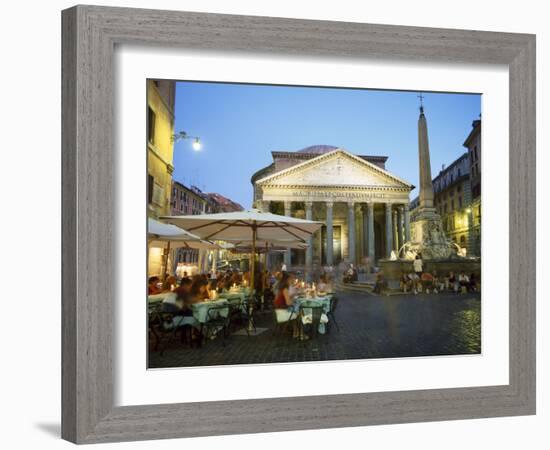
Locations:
426 188
427 230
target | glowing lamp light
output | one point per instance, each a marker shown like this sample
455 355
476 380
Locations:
468 210
196 144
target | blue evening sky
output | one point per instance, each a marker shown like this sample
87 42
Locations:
239 125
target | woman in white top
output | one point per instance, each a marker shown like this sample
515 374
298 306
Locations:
417 264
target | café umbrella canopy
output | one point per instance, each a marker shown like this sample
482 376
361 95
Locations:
243 246
167 236
164 234
250 226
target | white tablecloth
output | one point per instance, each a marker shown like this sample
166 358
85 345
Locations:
200 310
170 297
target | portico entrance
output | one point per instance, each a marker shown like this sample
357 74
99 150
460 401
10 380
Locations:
363 207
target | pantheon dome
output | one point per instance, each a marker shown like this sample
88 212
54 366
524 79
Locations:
318 149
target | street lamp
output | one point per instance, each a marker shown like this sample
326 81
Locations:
196 144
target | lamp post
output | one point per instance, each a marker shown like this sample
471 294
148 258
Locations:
196 144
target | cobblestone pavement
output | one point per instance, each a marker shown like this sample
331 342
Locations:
370 327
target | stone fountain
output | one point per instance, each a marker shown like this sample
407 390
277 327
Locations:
427 236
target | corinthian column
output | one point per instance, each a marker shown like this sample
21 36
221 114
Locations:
288 213
309 250
370 239
351 231
389 230
365 233
395 230
407 223
330 252
400 224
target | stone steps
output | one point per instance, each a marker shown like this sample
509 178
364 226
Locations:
357 286
365 287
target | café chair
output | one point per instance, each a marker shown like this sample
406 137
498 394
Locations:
162 328
332 310
311 316
217 319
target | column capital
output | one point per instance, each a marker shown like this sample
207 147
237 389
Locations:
351 205
308 204
388 206
329 203
401 208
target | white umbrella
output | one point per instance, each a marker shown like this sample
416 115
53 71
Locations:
262 245
162 234
252 225
165 235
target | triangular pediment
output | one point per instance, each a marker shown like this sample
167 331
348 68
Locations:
337 168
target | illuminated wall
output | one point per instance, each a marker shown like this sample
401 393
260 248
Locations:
160 148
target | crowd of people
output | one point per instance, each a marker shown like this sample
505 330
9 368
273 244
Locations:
198 288
420 280
431 282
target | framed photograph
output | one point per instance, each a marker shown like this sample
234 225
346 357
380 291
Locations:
278 224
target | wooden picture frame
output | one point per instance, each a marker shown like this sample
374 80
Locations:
90 34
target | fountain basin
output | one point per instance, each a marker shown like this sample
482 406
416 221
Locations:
393 269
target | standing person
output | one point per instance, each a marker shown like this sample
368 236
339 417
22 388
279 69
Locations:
418 264
415 281
283 268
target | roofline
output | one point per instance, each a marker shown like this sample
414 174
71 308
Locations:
305 155
338 150
476 125
258 172
450 166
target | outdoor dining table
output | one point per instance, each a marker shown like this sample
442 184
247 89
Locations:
200 310
157 298
323 301
232 295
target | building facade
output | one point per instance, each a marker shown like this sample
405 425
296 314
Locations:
160 145
192 201
364 207
452 200
188 201
473 144
160 131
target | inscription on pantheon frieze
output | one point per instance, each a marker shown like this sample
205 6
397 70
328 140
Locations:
335 194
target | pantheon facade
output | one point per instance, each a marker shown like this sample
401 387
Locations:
364 208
